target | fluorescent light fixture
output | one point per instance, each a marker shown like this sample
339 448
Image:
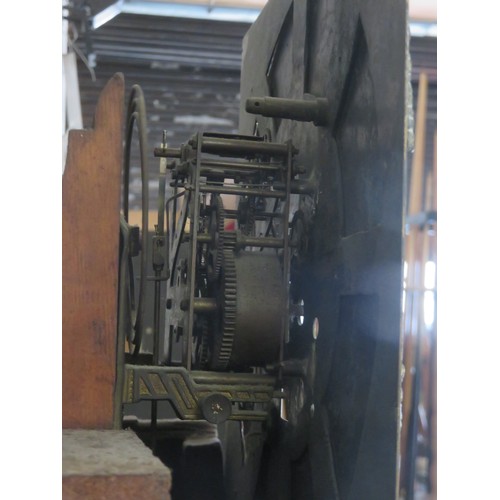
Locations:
203 120
429 308
430 275
418 28
192 11
107 14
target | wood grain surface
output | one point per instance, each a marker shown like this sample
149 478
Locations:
90 237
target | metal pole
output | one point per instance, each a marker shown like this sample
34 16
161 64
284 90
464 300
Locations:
241 147
302 110
242 191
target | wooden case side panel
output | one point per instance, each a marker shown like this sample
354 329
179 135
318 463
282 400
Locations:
90 237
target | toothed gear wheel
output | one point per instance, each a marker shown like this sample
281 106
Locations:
223 343
252 304
216 230
203 346
246 215
229 240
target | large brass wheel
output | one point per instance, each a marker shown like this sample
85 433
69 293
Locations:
133 238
